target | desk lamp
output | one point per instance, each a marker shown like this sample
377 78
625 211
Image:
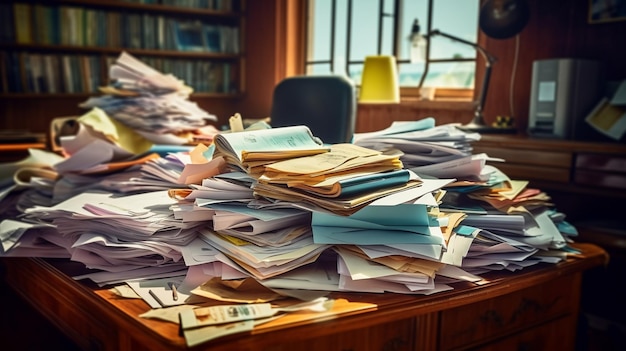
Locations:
499 19
478 123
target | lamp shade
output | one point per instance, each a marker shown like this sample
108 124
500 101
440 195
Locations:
502 19
379 82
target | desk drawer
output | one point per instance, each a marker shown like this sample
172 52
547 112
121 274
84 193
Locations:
527 172
543 337
600 179
394 336
487 320
595 170
601 163
528 157
62 304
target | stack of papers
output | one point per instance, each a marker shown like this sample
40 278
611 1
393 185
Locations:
120 235
22 239
439 151
280 208
133 76
153 104
342 181
502 224
250 151
344 170
293 167
262 261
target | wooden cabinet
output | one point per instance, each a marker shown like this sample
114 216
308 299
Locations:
534 318
55 54
558 164
544 337
584 179
393 336
536 308
501 320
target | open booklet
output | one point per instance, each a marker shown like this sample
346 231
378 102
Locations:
249 151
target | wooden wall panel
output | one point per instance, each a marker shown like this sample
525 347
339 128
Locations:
372 117
556 29
261 65
20 113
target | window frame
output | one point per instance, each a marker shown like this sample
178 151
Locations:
408 94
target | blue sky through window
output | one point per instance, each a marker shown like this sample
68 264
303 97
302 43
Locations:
456 17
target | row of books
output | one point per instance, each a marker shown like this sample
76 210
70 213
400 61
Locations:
204 76
51 73
218 5
77 26
35 73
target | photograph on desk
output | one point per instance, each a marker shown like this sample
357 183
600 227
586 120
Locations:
267 215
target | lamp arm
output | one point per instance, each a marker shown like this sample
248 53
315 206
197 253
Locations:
478 114
489 60
487 56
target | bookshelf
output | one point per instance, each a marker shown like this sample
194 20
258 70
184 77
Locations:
62 49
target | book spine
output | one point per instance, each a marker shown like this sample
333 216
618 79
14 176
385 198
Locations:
85 73
23 23
28 75
38 73
7 25
67 79
4 84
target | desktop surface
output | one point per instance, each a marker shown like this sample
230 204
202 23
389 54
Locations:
541 299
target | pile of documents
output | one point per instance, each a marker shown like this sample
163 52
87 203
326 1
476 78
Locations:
153 104
437 151
356 196
143 115
291 166
512 225
125 236
250 151
409 210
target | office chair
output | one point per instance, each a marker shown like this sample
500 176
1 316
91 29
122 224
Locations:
324 103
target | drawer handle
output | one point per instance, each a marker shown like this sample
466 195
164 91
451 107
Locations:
524 306
394 344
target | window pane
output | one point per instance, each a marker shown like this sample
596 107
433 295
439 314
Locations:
321 45
458 18
364 29
388 24
320 68
440 74
454 17
320 27
341 33
413 9
355 72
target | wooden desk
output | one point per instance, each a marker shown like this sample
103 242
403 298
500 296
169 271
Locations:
579 167
16 152
584 179
535 309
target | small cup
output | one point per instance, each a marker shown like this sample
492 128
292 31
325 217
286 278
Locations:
428 93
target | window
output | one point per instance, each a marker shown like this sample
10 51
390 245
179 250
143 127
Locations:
342 32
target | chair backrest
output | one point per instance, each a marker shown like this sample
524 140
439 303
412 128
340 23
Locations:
324 103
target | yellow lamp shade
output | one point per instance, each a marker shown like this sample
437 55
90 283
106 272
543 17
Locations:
379 82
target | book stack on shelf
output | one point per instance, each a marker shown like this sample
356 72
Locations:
68 49
218 5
